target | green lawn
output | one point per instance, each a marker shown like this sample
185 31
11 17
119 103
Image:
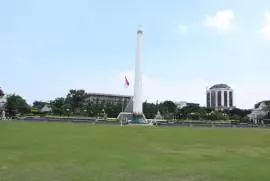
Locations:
65 152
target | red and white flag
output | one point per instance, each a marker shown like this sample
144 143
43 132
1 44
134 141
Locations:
126 82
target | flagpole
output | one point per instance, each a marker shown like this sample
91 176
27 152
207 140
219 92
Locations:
123 98
122 111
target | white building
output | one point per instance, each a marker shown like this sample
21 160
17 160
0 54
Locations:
98 98
46 108
3 101
259 112
182 104
219 96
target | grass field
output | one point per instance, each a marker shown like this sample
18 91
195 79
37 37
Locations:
80 152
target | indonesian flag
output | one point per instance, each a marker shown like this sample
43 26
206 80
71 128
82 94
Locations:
126 82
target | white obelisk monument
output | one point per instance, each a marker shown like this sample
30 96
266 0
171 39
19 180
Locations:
138 116
137 102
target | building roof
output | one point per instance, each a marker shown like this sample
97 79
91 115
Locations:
267 103
220 86
46 108
108 95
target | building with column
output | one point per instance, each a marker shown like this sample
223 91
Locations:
100 98
3 101
219 96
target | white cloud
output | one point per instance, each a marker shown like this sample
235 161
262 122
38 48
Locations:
182 28
222 20
265 31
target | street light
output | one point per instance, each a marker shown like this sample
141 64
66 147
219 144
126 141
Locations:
67 111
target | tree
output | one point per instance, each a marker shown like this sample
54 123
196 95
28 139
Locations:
113 110
1 93
194 116
150 110
16 105
244 119
57 106
66 109
168 109
237 114
216 115
39 105
192 112
76 99
171 107
97 109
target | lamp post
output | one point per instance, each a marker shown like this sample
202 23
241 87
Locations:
85 112
103 113
67 111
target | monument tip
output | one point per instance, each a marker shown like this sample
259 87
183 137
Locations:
139 30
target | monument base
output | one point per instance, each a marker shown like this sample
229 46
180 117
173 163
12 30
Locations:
132 118
138 119
124 117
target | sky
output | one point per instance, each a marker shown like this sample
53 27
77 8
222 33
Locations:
48 47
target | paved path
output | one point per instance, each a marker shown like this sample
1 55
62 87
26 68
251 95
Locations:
165 124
